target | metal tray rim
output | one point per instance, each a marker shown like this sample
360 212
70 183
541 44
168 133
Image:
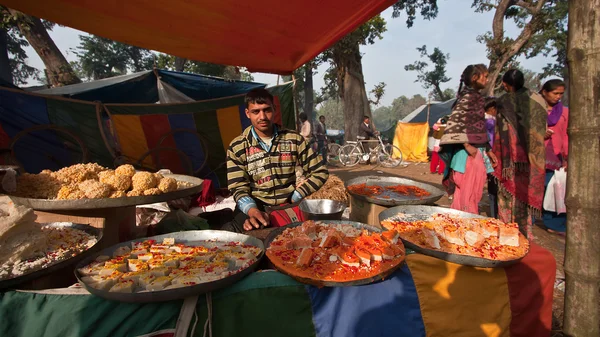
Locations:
436 193
465 260
178 293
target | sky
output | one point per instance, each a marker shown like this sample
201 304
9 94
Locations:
454 31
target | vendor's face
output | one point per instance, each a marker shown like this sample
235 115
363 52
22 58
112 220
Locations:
554 96
261 116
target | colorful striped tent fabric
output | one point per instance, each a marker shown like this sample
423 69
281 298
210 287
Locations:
192 137
201 131
425 297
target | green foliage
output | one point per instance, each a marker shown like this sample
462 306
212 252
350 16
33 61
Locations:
435 77
164 61
378 91
102 58
333 111
448 93
427 8
385 117
549 28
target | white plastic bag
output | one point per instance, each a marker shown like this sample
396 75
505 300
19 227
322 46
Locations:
560 188
549 197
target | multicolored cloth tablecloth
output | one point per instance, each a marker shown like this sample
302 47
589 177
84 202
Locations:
426 297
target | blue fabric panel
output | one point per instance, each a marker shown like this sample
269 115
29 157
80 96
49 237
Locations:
387 308
187 142
200 87
37 150
243 118
142 89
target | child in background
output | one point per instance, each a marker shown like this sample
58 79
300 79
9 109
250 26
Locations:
490 125
437 164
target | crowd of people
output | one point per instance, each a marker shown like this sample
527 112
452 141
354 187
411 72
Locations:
515 143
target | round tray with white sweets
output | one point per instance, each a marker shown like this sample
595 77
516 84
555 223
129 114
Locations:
171 266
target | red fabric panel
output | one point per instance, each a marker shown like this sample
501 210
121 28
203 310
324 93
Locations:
531 288
221 32
155 126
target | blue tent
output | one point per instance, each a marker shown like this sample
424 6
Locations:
437 110
142 87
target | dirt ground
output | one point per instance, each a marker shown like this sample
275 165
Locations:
420 172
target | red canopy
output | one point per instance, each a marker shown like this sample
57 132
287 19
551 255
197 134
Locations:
274 36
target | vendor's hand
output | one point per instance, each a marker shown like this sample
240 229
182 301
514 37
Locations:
255 219
548 134
493 159
471 150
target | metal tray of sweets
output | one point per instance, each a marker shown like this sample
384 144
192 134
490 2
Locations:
321 283
422 213
390 198
207 238
57 266
82 204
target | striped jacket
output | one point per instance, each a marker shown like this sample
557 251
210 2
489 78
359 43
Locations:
270 176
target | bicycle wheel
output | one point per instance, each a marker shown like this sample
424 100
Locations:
389 156
333 152
350 155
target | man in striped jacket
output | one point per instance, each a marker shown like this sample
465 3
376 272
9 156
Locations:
261 165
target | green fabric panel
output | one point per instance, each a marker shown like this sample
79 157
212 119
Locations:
208 126
192 107
258 280
285 92
274 311
80 118
25 314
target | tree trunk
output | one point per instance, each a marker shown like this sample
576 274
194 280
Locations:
351 85
309 99
582 256
59 70
5 72
439 92
179 63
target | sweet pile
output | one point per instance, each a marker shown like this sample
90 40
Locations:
56 244
479 237
336 253
91 181
151 266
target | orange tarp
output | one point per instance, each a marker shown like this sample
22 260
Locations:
274 36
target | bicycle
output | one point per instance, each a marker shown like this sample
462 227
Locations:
388 155
333 152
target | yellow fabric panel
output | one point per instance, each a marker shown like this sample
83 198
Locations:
229 124
131 137
458 300
411 139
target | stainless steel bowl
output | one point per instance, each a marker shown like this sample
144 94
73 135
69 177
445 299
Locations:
322 209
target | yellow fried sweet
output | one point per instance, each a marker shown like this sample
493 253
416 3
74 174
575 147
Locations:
143 181
103 176
76 195
38 186
66 190
158 176
135 193
117 194
94 189
125 170
152 191
167 185
118 182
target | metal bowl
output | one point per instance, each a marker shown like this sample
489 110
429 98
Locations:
322 209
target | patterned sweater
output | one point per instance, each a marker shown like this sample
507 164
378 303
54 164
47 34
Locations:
268 173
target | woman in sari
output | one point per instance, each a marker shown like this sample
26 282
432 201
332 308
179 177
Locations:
464 147
557 146
519 147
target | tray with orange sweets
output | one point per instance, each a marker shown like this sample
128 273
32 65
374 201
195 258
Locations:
335 253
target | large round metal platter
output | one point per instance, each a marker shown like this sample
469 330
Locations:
63 205
320 283
64 264
421 212
390 198
207 238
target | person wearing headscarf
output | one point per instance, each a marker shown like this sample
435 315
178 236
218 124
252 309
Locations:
519 147
557 145
464 147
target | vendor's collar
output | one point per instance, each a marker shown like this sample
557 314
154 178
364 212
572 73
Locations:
260 141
